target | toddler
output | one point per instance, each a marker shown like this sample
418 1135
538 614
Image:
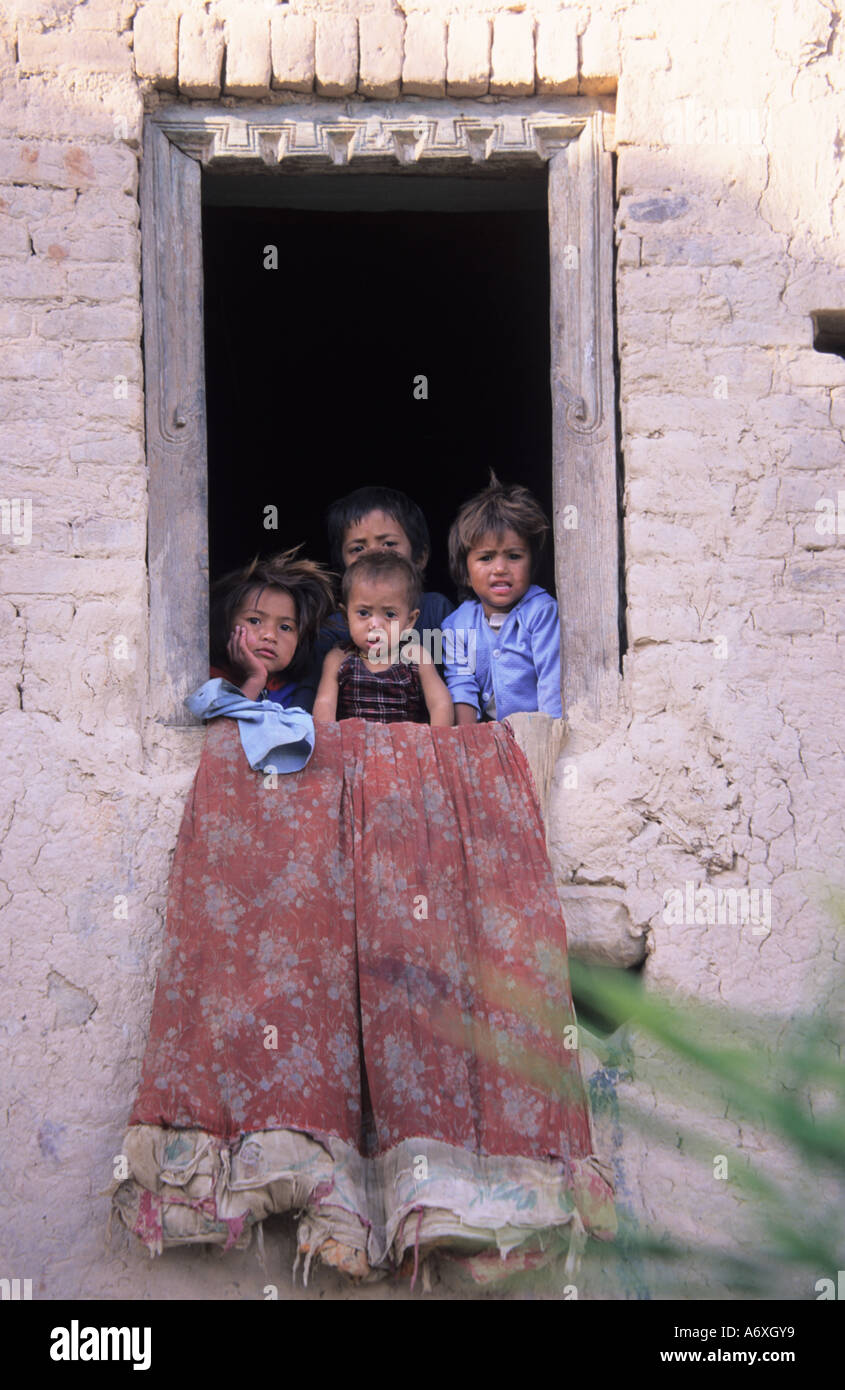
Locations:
264 622
513 661
370 677
380 518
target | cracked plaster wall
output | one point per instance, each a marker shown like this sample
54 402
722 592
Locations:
722 763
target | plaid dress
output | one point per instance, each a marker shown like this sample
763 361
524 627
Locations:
393 696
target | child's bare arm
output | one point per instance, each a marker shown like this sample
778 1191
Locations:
465 714
325 701
441 711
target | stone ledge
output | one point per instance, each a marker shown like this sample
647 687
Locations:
201 46
599 930
380 41
424 68
336 55
599 73
378 55
556 61
292 41
156 44
248 64
512 60
468 57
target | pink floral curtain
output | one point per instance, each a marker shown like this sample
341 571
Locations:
363 1013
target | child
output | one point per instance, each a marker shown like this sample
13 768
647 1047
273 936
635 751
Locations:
380 518
513 660
369 678
264 621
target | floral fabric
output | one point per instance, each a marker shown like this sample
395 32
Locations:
363 1011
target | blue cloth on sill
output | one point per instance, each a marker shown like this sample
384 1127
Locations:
274 739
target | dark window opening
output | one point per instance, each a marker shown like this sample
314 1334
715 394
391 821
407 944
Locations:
829 331
310 368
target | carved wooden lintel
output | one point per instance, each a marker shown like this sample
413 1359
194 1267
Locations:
361 132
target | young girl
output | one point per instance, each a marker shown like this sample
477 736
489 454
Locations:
369 678
264 621
514 662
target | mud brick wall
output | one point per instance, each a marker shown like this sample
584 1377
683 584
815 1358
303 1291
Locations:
721 766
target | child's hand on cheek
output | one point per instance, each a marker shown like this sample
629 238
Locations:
245 660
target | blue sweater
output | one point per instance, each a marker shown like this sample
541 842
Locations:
519 664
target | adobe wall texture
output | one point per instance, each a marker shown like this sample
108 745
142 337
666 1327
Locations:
721 765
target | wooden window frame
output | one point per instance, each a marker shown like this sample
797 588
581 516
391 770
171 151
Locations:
568 134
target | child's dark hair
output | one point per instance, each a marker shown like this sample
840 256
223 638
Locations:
307 583
383 564
348 511
498 508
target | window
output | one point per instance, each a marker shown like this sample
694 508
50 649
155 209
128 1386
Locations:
473 141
